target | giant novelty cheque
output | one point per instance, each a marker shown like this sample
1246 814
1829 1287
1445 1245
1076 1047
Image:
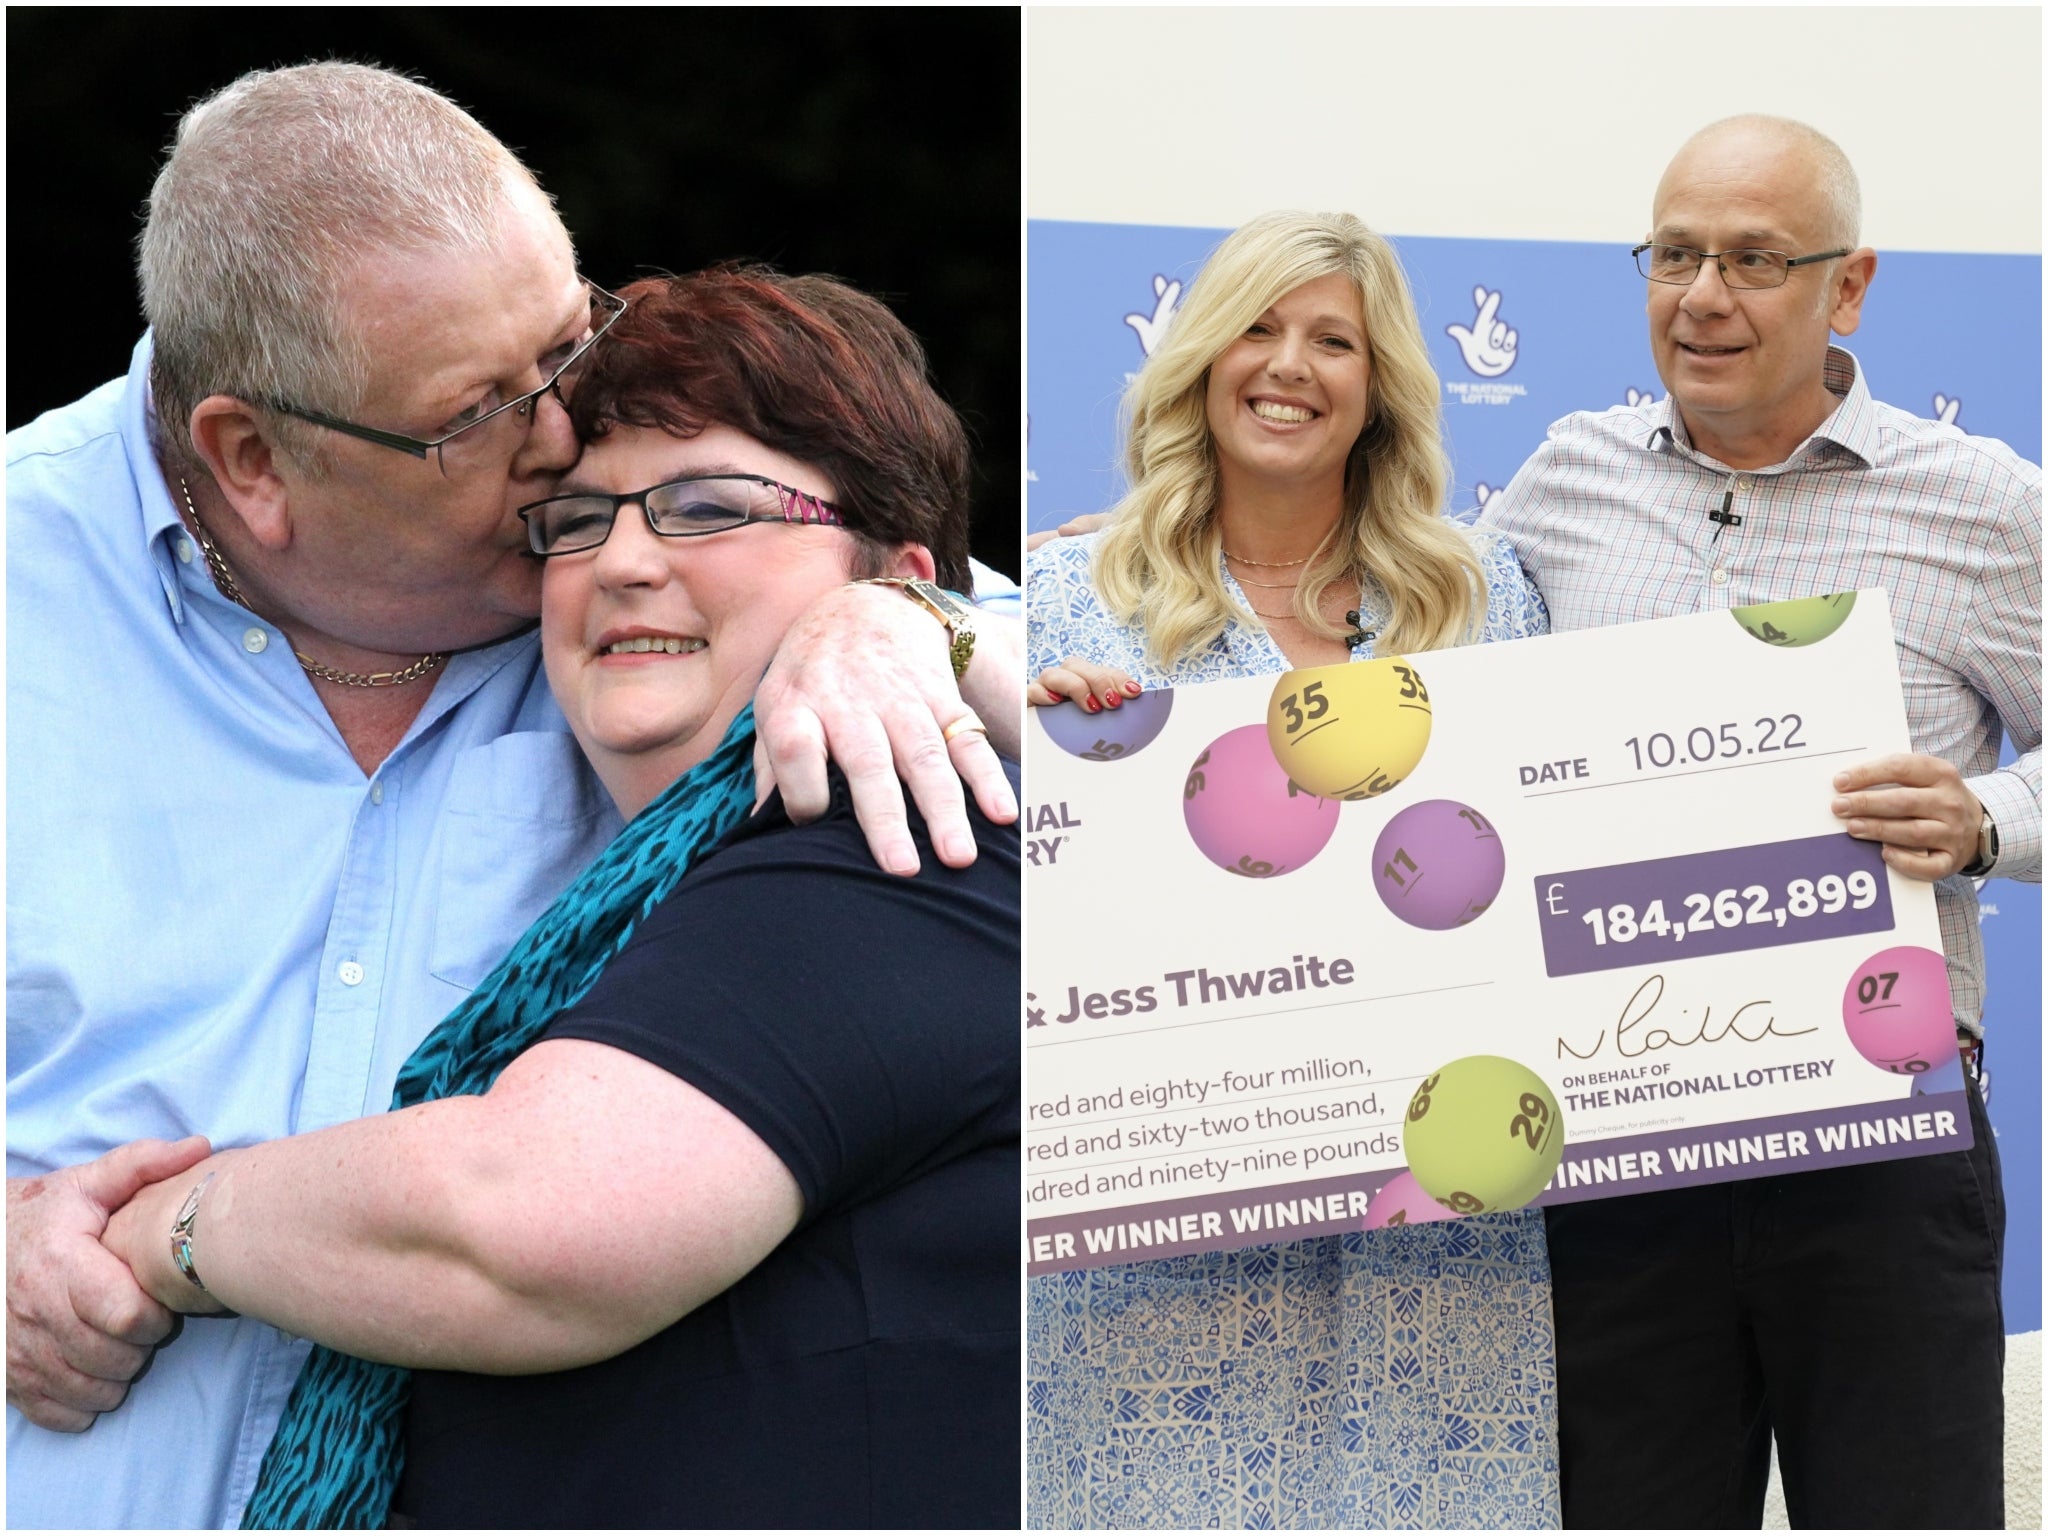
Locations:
1419 937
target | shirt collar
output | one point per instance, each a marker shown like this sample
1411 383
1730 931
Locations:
1851 430
159 514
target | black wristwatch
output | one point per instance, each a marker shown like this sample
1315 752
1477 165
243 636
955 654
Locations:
1987 849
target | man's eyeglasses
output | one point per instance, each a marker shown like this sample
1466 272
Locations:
1739 269
676 509
495 431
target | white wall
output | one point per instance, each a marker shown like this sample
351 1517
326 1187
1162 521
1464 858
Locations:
1542 123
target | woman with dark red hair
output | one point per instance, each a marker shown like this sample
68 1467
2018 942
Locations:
702 1210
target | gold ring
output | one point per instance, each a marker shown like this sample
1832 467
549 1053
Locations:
969 722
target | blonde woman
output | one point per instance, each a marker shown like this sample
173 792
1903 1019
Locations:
1287 486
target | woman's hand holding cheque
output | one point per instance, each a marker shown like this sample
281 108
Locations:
1093 687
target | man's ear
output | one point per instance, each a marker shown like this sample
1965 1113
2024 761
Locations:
1846 312
913 561
231 441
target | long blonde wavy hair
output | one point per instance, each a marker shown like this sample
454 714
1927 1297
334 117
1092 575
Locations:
1158 563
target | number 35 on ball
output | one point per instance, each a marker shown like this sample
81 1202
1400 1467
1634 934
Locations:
1351 731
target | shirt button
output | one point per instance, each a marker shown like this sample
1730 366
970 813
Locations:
1720 577
350 973
185 550
1742 482
254 640
377 794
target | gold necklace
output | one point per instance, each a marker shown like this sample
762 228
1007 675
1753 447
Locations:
1268 564
232 591
1350 618
1246 581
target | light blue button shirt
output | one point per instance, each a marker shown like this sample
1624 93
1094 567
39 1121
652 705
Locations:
215 923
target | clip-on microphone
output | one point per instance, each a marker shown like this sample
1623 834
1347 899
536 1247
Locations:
1725 517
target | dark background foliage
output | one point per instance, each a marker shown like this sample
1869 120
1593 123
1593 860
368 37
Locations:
881 146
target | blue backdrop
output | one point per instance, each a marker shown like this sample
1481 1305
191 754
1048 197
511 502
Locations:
1523 332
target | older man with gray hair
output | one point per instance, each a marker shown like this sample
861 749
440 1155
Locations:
284 775
1852 1315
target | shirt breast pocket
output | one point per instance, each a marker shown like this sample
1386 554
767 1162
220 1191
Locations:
523 816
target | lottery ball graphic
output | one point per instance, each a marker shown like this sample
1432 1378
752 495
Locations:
1108 734
1898 1012
1402 1202
1351 731
1802 621
1244 814
1483 1134
1438 864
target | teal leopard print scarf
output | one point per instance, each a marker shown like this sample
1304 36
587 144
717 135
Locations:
335 1460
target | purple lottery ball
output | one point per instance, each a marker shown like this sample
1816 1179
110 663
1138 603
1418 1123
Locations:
1108 734
1402 1202
1244 814
1438 864
1898 1012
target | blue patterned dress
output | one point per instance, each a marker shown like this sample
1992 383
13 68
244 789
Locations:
1404 1378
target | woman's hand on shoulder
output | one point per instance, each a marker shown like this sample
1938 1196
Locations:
1093 687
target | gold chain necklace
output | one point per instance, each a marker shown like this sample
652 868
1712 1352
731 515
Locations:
1350 618
232 591
1271 586
1268 564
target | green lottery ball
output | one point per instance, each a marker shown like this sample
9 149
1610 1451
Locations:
1802 621
1483 1134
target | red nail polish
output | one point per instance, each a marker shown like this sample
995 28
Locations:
1090 705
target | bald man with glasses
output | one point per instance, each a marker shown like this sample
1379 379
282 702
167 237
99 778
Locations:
1852 1315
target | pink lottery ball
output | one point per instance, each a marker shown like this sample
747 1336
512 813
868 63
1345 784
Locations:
1898 1012
1438 864
1402 1202
1244 814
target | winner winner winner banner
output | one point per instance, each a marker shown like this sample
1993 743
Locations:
1418 937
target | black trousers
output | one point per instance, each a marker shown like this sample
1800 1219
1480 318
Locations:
1852 1313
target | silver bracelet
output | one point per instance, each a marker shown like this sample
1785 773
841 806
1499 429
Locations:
181 1237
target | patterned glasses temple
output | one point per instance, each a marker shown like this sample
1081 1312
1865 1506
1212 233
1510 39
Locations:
803 507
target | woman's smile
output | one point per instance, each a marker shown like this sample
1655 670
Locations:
651 643
1280 412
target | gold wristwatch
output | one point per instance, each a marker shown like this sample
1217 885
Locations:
941 605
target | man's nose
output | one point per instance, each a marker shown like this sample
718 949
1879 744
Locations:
1708 293
550 447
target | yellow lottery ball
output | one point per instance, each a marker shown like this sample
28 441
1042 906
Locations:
1802 621
1352 731
1483 1134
